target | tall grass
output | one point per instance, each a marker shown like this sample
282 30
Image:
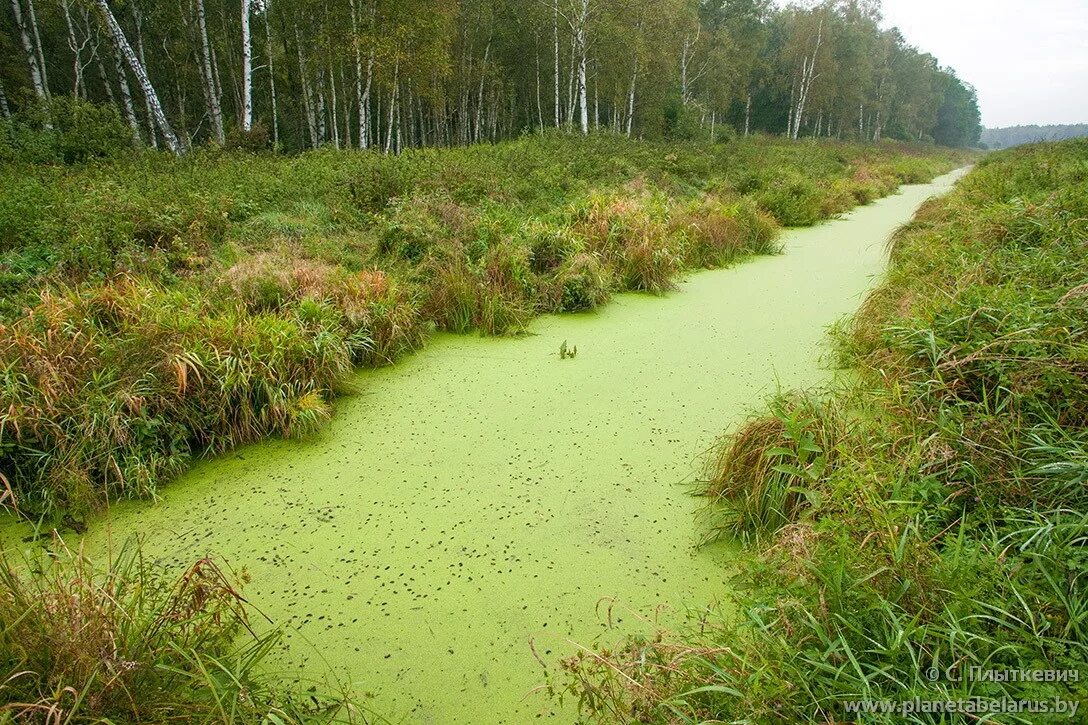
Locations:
948 529
774 468
130 643
154 309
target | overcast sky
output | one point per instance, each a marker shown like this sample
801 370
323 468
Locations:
1028 60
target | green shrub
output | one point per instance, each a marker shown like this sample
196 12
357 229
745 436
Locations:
64 130
583 284
255 140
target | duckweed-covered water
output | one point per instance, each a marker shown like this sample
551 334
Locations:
483 494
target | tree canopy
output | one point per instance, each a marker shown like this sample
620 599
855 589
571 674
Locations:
393 74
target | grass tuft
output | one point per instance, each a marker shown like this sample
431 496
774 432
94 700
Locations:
131 644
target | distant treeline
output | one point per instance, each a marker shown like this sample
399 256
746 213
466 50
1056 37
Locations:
392 74
1003 138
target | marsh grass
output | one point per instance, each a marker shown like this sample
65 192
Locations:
155 309
773 469
949 526
130 643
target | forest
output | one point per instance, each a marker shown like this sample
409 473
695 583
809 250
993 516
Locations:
1003 138
395 74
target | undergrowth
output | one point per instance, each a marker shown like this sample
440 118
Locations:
925 522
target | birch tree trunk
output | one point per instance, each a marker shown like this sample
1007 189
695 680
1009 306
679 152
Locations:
38 46
78 89
808 76
28 47
364 105
211 91
126 92
137 18
333 111
582 46
4 108
363 94
555 32
271 81
247 69
539 106
393 106
480 95
684 50
141 76
100 64
322 126
747 113
307 92
583 101
631 99
346 106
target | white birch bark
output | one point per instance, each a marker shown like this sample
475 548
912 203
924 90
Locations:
334 109
4 108
747 113
808 76
211 91
322 126
141 76
79 89
137 18
28 47
393 106
361 93
271 80
38 45
583 105
631 99
480 94
100 64
247 69
126 92
555 32
307 92
539 106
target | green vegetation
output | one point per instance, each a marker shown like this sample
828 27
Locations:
132 644
930 513
399 74
159 308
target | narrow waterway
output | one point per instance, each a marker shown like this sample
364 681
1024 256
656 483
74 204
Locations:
484 494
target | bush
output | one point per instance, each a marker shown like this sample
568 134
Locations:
583 284
64 130
255 140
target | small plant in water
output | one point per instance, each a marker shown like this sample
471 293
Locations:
567 352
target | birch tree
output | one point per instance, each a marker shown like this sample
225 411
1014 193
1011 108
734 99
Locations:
247 68
37 75
391 74
141 75
209 84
